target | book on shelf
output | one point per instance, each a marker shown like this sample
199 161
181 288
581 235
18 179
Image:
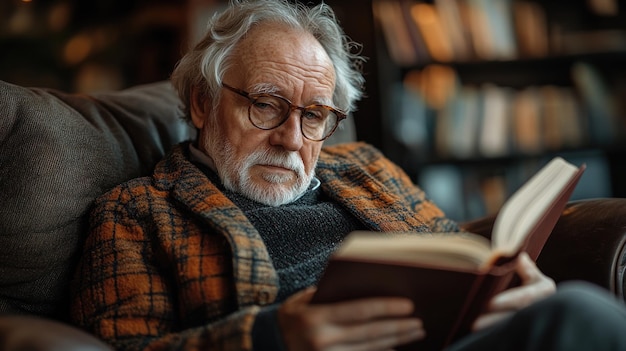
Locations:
499 15
459 123
457 32
597 102
530 28
422 55
563 126
428 21
493 192
573 124
410 124
551 114
494 138
450 276
395 31
491 28
527 123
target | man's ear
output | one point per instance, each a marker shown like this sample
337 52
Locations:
200 107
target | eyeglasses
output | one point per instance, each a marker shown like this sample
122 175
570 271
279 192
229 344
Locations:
269 111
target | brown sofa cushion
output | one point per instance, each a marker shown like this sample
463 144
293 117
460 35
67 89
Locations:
58 152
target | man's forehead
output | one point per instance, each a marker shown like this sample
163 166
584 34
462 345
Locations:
277 59
279 43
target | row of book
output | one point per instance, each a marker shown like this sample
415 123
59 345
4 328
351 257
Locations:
419 32
456 121
470 191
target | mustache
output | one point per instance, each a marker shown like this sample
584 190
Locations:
277 158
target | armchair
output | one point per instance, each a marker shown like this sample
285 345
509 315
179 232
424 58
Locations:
60 151
587 243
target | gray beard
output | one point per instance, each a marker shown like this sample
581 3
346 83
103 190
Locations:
235 173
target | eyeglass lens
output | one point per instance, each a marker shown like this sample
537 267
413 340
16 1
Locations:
267 112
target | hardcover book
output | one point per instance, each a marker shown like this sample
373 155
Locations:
451 276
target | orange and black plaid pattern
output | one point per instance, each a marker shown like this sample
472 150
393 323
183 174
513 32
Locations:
171 264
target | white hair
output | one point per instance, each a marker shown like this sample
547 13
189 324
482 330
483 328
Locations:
205 64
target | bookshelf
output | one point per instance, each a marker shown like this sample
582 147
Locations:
425 97
476 95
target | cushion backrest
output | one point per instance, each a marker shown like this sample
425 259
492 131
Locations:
58 152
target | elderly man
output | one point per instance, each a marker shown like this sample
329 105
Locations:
219 249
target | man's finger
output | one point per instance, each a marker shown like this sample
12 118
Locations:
368 309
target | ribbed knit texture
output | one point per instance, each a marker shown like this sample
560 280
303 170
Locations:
309 229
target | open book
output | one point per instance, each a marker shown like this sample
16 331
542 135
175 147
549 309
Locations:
451 276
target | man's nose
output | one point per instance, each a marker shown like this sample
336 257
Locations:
289 134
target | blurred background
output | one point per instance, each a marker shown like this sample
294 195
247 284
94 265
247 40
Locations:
83 46
470 97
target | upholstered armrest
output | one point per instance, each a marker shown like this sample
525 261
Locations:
20 333
588 243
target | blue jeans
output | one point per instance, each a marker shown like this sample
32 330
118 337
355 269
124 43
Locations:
579 316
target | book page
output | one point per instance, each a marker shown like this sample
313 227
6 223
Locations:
452 250
526 206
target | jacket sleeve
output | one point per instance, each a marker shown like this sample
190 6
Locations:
127 289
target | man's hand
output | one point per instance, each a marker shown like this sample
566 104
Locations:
535 286
358 325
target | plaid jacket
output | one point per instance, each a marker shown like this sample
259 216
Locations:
172 264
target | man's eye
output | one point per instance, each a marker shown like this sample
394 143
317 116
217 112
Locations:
262 105
267 106
313 115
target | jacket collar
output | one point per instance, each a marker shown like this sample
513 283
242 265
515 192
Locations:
252 266
347 178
